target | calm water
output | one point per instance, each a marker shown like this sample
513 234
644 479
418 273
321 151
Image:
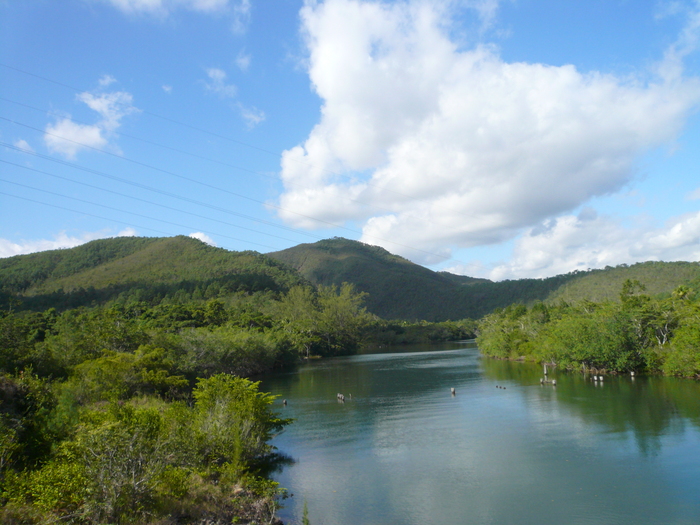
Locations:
404 451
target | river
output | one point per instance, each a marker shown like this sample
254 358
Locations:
504 449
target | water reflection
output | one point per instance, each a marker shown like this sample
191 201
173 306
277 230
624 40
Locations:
403 450
647 407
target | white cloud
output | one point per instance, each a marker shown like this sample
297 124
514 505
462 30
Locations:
68 137
62 240
238 10
218 85
106 80
694 195
241 16
161 7
243 61
23 144
127 232
461 147
203 237
168 89
252 115
586 241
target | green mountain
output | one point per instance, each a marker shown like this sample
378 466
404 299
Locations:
139 268
400 289
659 278
181 268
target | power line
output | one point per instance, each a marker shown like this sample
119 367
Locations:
133 213
195 128
173 174
155 190
184 152
143 200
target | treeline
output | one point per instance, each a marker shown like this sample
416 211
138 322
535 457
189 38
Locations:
637 333
135 412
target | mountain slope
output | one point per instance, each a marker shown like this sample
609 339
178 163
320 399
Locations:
397 288
181 268
400 289
102 270
658 277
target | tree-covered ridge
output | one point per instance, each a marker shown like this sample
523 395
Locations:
23 272
396 287
399 289
148 269
660 278
635 333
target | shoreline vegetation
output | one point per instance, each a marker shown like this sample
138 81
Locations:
637 334
145 413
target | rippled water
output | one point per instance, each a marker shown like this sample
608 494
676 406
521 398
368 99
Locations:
403 450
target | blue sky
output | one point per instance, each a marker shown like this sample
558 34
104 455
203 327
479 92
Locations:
501 139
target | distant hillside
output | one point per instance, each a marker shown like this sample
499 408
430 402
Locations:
181 269
400 289
140 268
660 278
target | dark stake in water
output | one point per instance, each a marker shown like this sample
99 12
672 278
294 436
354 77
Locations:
505 449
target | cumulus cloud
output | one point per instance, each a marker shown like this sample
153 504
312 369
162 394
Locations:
67 137
203 237
432 146
588 240
62 240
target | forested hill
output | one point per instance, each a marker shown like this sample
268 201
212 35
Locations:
180 269
400 289
659 278
139 268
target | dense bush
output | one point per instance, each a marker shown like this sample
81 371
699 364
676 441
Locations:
637 333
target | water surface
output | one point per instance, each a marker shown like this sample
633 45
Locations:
403 450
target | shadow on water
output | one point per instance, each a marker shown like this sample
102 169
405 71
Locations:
273 464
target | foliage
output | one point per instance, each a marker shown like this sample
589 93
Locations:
130 462
638 333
